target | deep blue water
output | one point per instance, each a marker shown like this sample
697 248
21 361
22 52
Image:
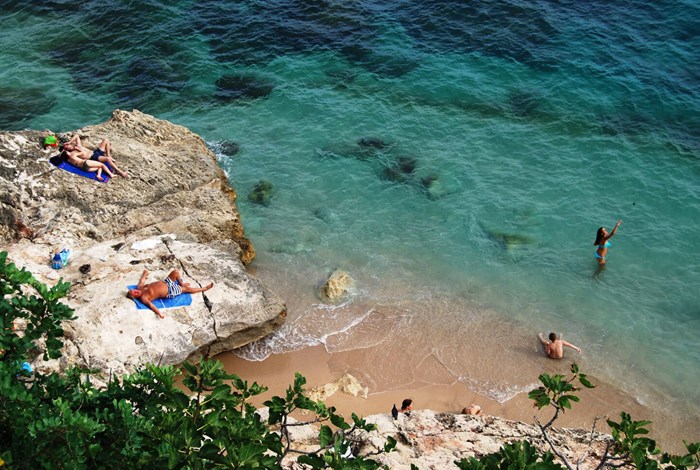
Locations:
456 158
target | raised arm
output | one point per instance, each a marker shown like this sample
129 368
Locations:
612 232
142 281
75 139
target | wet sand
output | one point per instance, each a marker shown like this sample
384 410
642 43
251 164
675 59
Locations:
402 340
320 367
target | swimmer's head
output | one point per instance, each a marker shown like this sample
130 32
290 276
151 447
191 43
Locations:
599 236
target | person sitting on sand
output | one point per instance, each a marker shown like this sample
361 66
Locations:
168 288
472 409
406 406
102 154
555 346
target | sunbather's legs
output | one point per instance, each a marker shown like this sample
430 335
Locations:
194 290
107 157
186 288
105 147
114 165
104 168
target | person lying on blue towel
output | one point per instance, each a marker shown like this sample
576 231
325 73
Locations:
98 160
168 288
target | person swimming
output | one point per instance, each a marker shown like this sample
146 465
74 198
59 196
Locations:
602 242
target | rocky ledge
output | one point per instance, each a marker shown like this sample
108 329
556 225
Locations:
175 210
431 440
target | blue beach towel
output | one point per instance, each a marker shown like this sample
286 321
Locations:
182 300
64 165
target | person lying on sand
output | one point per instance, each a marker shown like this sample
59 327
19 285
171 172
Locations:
472 409
555 346
168 288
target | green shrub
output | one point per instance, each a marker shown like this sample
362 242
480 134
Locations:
143 420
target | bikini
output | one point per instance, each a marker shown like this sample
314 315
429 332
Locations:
607 244
174 288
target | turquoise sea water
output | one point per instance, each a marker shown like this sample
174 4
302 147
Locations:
455 158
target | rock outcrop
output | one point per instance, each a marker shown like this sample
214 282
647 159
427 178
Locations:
431 440
175 210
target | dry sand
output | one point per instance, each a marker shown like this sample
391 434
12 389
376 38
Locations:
320 367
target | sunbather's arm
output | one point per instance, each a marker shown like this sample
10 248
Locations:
75 139
150 305
142 281
566 343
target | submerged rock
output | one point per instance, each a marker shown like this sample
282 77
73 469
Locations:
235 87
509 241
433 187
327 215
261 193
400 170
392 173
229 147
372 142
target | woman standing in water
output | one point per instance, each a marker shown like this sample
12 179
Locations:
601 241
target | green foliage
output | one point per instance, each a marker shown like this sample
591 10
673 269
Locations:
519 455
557 392
630 441
143 420
629 446
335 446
689 460
25 298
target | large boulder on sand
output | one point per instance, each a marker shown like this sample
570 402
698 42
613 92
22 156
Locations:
176 210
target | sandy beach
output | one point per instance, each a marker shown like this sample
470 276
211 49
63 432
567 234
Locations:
445 353
320 367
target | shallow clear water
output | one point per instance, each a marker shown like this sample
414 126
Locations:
537 122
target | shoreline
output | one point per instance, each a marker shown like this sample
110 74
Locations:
445 352
321 367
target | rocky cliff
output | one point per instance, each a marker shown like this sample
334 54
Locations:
175 210
431 440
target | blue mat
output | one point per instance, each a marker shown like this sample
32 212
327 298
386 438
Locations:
182 300
64 165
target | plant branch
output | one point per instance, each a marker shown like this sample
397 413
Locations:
556 451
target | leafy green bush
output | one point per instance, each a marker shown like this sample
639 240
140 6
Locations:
143 420
519 455
628 446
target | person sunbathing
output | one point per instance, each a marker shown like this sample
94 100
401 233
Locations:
102 154
168 288
72 156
